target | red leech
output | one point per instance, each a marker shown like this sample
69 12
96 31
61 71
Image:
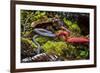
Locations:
77 40
62 33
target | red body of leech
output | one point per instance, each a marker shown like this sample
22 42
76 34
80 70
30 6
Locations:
77 40
66 37
62 33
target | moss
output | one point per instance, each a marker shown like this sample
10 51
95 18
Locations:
27 47
67 22
73 26
27 41
54 47
41 40
28 34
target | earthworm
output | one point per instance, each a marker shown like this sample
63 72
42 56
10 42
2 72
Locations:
38 45
44 32
41 32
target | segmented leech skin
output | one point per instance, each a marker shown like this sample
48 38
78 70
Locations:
62 33
77 40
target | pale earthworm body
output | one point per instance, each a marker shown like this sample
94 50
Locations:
44 32
41 32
